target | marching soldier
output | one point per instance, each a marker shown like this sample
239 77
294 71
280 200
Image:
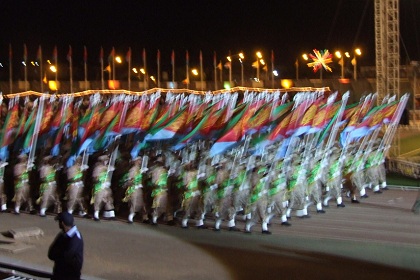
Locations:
102 193
277 194
159 177
258 201
3 197
134 191
224 209
22 187
75 198
192 195
48 188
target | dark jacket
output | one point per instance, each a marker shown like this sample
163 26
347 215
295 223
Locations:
67 254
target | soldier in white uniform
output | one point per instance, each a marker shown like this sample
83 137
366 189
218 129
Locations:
134 192
102 193
22 187
3 197
75 198
48 188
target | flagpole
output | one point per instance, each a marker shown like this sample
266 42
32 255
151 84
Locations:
173 66
272 69
129 68
55 62
71 69
201 70
186 64
10 69
113 64
158 68
85 65
221 74
145 70
25 55
41 73
215 71
101 60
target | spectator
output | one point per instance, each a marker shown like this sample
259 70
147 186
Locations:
67 249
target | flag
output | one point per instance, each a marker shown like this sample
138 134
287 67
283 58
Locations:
106 133
10 123
134 118
187 58
85 54
255 64
305 123
214 60
10 53
69 54
144 58
230 139
219 66
297 115
171 128
128 56
280 110
101 55
260 119
173 58
227 65
111 56
25 53
39 54
279 132
55 54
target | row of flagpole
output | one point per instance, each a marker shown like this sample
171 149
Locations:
110 68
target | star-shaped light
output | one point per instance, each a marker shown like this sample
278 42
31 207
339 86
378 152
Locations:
320 59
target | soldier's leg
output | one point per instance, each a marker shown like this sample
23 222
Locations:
72 192
109 211
3 198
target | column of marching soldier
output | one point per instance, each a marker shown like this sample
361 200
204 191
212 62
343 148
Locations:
169 187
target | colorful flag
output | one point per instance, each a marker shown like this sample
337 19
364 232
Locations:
230 139
171 128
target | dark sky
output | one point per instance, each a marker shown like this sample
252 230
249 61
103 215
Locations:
289 28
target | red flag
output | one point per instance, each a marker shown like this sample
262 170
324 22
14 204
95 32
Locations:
111 55
280 130
173 57
55 53
69 54
158 57
10 52
144 57
201 57
187 58
128 57
85 54
101 55
39 54
214 60
25 53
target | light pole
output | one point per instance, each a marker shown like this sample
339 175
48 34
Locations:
305 57
230 69
259 56
341 62
354 62
241 59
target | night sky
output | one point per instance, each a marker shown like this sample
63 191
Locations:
288 28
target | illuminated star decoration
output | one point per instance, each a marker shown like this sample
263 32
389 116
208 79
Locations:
320 59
